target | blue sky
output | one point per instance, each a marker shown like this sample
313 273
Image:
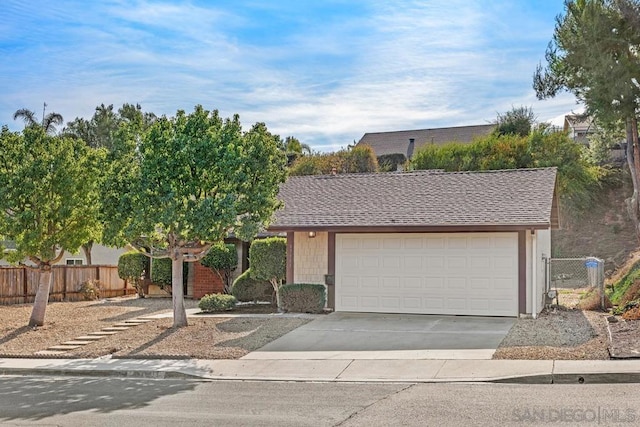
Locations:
323 71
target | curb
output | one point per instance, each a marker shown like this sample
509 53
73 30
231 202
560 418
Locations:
592 378
101 373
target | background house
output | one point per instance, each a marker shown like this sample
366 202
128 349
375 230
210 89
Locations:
406 142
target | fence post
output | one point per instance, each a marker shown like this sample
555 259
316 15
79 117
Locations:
64 282
25 286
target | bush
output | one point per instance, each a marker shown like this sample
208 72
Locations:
222 259
91 290
303 298
247 289
161 272
591 301
619 290
268 259
217 302
132 266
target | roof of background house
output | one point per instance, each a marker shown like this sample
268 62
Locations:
519 197
578 122
398 141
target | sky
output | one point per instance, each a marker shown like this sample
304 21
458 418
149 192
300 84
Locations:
324 71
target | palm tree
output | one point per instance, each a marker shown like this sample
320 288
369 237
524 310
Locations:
49 121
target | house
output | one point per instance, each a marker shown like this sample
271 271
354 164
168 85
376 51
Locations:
579 127
407 142
100 255
424 242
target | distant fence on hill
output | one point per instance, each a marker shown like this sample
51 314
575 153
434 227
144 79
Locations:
18 285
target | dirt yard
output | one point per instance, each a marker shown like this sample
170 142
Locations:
205 338
561 333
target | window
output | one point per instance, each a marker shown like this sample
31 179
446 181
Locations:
74 261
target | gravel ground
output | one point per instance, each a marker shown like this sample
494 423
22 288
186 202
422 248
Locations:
208 338
563 333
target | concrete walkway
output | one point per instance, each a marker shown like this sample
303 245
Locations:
345 370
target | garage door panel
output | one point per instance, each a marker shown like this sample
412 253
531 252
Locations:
454 273
390 303
391 261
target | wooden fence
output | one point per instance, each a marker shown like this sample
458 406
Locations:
18 285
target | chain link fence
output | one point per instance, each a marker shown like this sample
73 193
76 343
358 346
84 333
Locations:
575 273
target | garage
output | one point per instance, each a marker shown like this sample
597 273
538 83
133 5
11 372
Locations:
422 242
445 273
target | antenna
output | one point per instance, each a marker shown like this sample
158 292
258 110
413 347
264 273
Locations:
44 108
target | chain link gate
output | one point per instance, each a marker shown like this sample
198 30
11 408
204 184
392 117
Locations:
574 273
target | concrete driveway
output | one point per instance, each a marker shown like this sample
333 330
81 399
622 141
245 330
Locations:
390 336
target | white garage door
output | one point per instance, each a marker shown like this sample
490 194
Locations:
455 273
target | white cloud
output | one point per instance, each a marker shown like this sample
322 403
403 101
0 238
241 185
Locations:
405 64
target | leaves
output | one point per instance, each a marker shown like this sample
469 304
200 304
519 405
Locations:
48 193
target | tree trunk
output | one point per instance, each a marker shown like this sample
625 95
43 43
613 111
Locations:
276 287
633 160
86 248
177 291
42 296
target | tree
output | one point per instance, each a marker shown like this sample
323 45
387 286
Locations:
101 132
48 201
576 178
594 54
360 159
49 121
517 121
268 260
101 129
186 184
295 149
222 259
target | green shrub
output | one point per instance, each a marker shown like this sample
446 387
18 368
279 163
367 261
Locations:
620 288
132 266
222 259
268 259
247 289
161 272
302 297
217 302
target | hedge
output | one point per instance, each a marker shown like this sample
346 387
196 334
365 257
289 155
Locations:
161 271
247 289
217 302
268 259
132 267
303 297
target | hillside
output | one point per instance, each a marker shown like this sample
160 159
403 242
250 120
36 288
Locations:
603 231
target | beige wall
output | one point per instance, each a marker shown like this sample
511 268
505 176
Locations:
310 260
100 255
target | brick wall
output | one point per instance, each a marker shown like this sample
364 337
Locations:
205 281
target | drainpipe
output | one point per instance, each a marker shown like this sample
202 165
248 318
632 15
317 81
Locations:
534 274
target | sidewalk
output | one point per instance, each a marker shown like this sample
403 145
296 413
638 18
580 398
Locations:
345 370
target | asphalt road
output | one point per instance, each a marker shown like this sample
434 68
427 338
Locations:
141 402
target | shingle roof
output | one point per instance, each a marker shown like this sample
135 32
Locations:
398 141
520 197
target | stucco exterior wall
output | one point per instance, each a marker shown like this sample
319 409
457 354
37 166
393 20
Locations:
100 255
310 260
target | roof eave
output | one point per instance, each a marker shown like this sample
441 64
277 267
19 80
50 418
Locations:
412 228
